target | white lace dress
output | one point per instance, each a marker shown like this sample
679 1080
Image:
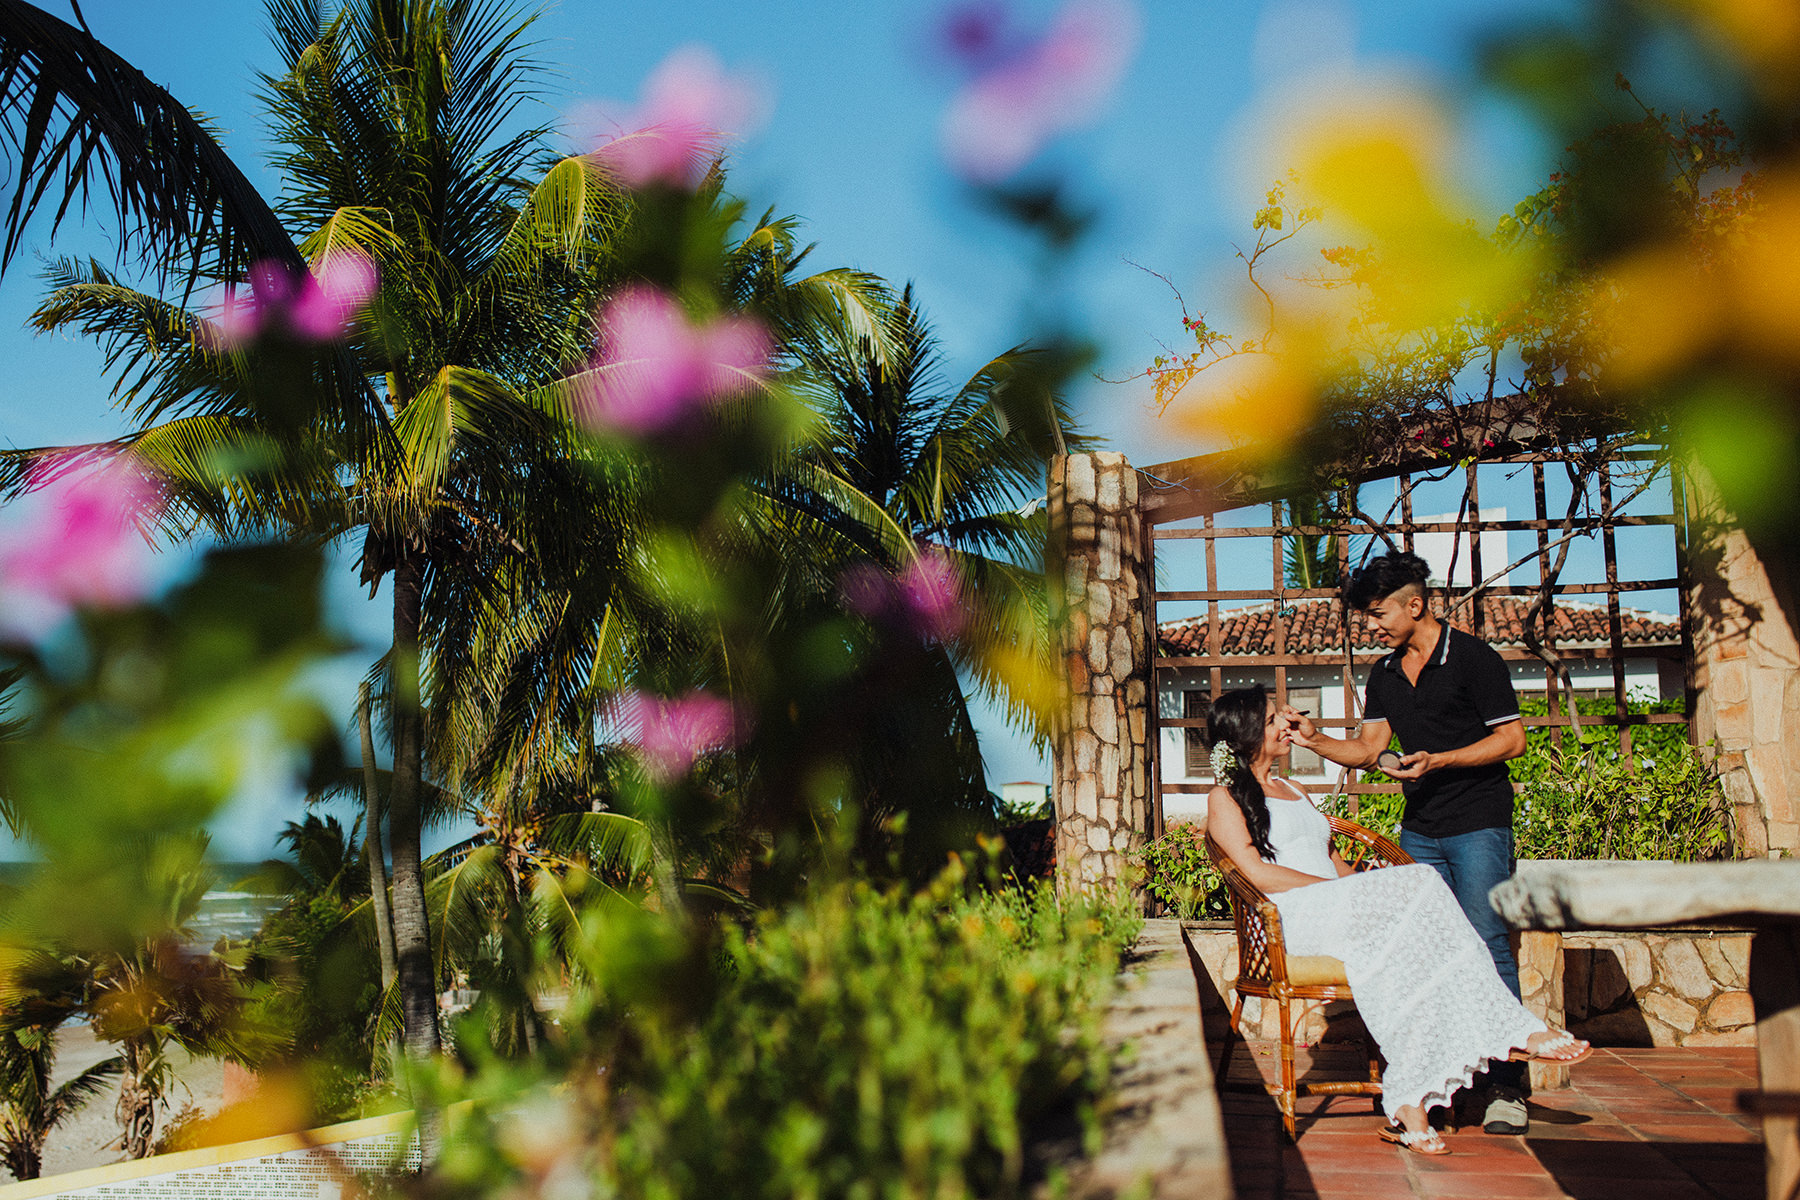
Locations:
1424 983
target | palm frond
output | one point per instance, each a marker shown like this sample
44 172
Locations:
71 109
73 1095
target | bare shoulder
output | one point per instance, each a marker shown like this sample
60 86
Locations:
1221 809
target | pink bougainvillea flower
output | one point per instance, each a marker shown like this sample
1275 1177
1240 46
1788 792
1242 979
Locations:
930 592
975 33
340 286
309 307
670 733
688 107
234 322
659 367
1052 84
75 544
924 597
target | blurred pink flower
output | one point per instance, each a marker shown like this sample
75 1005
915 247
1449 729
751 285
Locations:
689 105
1058 82
234 322
671 733
75 544
924 596
976 32
311 307
659 367
341 285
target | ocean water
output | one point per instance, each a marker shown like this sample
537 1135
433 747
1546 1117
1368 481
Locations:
224 912
234 915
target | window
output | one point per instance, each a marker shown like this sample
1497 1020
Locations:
1309 701
1198 754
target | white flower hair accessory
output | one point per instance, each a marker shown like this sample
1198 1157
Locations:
1223 760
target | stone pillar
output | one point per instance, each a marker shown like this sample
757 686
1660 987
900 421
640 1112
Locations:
1746 678
1102 762
1540 955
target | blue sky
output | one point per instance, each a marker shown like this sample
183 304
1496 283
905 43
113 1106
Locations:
850 144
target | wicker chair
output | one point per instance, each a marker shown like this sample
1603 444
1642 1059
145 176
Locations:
1266 970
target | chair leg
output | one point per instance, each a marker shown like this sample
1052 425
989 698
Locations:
1374 1066
1230 1043
1286 1100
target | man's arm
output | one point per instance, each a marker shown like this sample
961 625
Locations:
1502 742
1359 751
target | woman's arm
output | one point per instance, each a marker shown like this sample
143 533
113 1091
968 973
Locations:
1225 821
1343 868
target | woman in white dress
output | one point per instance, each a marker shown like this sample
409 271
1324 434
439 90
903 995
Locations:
1424 982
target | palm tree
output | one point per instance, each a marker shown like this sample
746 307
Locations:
155 994
510 909
908 462
325 861
389 118
30 1109
42 991
438 431
1310 560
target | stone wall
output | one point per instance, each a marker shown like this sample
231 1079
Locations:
1102 767
1163 1134
1683 987
1747 679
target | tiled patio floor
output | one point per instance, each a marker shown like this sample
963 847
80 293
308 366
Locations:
1635 1125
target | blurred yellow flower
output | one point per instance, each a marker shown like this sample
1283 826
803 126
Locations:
1376 165
1660 309
1764 35
1257 401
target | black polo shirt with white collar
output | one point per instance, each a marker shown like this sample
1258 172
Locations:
1463 692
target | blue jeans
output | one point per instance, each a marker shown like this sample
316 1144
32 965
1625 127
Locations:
1472 863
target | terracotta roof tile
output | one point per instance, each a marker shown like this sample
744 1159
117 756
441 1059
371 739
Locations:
1315 627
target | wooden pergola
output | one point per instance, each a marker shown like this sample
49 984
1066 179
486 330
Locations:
1172 496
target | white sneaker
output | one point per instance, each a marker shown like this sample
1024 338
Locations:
1505 1115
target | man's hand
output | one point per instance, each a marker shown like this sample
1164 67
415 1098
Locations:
1413 765
1295 727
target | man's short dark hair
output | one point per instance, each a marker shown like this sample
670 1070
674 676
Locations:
1382 577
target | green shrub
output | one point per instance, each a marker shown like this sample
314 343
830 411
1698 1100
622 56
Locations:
866 1044
1585 801
1178 872
1592 804
325 989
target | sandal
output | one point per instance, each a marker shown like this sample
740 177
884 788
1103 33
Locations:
1425 1141
1550 1050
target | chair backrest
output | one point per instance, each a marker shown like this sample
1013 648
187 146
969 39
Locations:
1363 848
1262 959
1262 955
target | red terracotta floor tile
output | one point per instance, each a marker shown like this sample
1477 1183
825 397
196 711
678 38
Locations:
1490 1187
1250 1181
1461 1161
1641 1124
1596 1132
1607 1160
1714 1130
1385 1160
1662 1112
1639 1189
1357 1189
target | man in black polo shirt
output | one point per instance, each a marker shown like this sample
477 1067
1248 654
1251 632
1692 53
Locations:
1448 698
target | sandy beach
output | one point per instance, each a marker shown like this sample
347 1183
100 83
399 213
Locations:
87 1138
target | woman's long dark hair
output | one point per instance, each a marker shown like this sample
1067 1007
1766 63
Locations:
1237 719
